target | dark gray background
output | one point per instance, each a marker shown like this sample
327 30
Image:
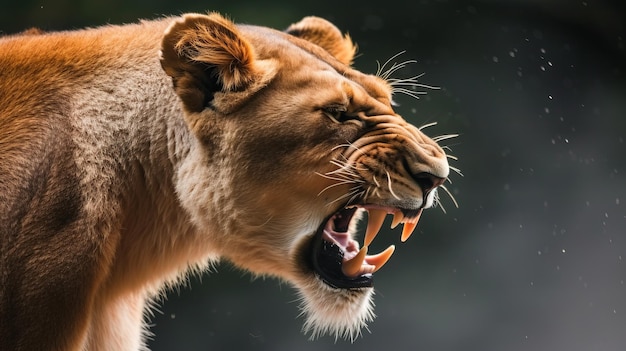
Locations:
534 257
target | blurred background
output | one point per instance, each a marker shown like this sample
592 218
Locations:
533 258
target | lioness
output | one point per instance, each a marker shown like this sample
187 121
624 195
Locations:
131 155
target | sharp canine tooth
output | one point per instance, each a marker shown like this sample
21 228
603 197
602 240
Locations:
374 223
410 226
419 215
407 230
398 216
352 267
380 259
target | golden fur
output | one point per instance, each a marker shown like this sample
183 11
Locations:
132 154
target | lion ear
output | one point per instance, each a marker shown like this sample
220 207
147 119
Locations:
205 54
324 34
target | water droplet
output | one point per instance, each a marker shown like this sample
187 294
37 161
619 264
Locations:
563 250
495 59
511 53
542 68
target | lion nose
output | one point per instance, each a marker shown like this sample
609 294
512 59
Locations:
428 181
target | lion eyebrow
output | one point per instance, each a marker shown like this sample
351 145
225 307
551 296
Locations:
348 91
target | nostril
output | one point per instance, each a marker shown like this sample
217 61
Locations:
427 181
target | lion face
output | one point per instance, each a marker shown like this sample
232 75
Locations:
293 147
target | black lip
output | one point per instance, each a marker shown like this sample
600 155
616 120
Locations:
326 259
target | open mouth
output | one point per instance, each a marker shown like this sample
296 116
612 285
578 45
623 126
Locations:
340 261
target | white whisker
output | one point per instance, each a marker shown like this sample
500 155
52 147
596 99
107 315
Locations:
341 146
345 166
444 137
411 82
394 68
407 92
340 179
356 195
402 81
456 170
380 68
393 57
443 209
450 195
376 181
375 192
332 186
389 186
446 147
352 193
427 125
367 192
421 85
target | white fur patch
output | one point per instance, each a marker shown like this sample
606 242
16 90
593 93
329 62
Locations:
337 312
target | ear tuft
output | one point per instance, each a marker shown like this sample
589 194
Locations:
204 54
326 35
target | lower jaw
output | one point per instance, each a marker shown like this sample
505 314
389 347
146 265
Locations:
326 260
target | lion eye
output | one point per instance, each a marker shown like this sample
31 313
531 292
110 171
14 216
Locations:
338 114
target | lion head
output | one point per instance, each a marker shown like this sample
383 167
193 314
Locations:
292 148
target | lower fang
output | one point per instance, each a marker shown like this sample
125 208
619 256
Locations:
352 267
379 260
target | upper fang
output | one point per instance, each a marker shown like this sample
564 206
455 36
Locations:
398 217
374 223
